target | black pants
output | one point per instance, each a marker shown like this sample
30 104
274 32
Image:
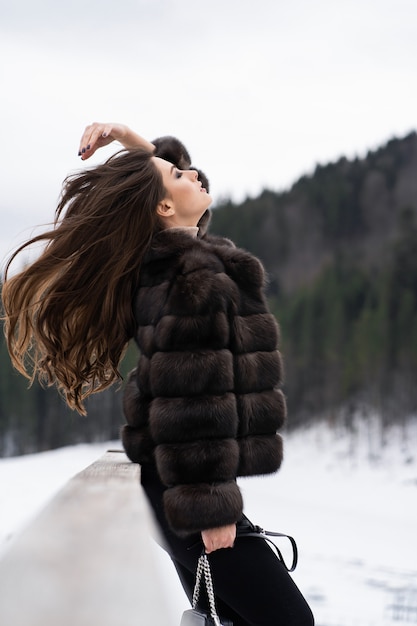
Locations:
252 586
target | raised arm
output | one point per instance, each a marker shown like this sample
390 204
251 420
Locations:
101 134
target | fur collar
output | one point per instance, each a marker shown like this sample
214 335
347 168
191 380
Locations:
203 223
170 244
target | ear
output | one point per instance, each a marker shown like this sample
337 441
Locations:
165 208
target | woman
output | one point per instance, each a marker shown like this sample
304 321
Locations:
203 405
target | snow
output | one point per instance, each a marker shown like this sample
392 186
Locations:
349 497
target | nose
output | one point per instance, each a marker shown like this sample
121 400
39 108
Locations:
193 174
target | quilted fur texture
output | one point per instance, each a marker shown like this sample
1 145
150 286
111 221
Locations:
204 402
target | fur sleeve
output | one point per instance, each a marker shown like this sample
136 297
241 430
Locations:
193 416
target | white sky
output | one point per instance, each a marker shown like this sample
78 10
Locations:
260 92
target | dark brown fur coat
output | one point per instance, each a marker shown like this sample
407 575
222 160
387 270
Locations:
203 402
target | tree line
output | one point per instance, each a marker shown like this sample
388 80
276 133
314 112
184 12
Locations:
339 248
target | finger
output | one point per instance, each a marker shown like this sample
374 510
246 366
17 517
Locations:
208 547
85 139
91 136
92 141
100 135
107 130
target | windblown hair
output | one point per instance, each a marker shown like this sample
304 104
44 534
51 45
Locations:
68 315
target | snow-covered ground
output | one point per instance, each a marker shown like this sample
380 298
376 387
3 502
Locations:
350 502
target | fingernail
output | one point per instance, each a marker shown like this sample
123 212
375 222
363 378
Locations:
104 135
79 153
88 147
83 150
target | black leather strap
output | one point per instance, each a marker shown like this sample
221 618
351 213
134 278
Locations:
260 533
245 528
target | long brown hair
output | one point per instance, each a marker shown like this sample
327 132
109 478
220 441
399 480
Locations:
68 315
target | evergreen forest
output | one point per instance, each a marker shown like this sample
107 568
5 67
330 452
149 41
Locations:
340 251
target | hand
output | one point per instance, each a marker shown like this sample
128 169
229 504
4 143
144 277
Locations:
217 538
97 135
100 134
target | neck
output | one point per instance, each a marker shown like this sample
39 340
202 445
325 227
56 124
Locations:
190 230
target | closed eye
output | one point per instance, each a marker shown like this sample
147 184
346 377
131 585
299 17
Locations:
176 172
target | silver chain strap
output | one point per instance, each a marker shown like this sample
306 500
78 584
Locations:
203 566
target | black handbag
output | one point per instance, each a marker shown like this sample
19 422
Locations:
196 616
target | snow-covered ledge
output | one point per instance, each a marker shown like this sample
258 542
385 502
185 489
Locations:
86 559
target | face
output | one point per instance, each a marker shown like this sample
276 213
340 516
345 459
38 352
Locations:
186 199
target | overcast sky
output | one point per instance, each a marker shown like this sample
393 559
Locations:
259 91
